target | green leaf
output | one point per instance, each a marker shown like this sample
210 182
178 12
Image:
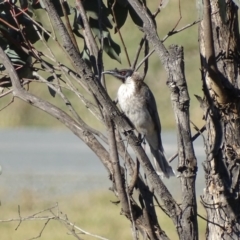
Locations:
136 19
120 13
31 29
94 25
85 55
123 3
16 55
111 48
223 9
21 62
92 9
51 91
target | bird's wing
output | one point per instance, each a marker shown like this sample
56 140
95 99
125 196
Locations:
152 107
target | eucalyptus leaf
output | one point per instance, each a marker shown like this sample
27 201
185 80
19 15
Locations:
136 19
31 32
94 24
51 91
16 55
123 3
120 13
111 48
24 4
223 9
50 78
92 9
86 56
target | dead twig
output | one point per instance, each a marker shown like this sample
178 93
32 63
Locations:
200 131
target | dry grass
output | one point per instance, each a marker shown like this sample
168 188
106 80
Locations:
92 212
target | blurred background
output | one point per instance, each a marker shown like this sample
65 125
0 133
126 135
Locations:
44 163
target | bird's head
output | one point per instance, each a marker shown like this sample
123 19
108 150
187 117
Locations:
120 74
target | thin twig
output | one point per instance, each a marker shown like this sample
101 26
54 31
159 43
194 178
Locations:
214 223
192 139
47 219
71 108
141 45
180 16
68 25
146 51
36 23
100 52
12 100
20 218
120 35
180 30
9 25
165 38
40 234
138 52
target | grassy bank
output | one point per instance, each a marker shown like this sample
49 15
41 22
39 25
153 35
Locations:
92 212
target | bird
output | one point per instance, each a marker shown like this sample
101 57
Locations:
137 102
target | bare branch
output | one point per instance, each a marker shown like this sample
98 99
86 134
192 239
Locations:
164 39
192 139
71 108
53 216
138 53
69 28
75 127
118 175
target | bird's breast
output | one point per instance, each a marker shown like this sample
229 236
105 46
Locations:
134 107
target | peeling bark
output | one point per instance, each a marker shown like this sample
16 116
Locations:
221 195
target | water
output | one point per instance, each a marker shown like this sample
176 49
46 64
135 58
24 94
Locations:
53 163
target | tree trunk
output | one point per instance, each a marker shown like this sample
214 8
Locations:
219 49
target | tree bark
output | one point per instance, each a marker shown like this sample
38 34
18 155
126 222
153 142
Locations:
219 47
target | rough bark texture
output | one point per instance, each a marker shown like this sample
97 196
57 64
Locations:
187 164
221 196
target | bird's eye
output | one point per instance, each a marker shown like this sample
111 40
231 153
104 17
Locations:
123 73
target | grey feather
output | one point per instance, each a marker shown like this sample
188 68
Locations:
138 103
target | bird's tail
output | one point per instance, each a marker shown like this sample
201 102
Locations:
163 169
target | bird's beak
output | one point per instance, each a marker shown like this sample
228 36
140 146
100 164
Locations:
108 72
114 73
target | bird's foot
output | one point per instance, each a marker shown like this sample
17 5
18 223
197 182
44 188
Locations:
141 139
